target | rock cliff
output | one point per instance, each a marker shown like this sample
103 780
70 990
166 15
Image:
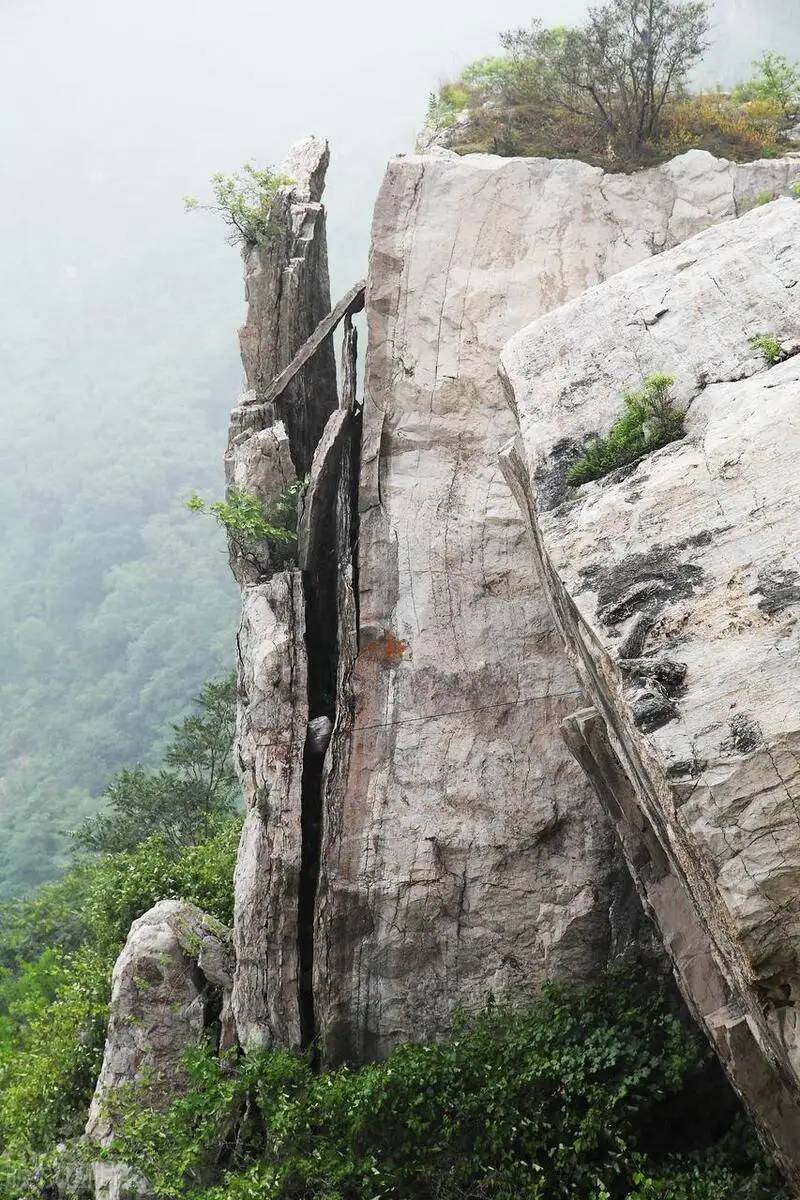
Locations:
675 587
419 834
462 851
448 847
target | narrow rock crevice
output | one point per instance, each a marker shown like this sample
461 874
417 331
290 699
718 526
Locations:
327 541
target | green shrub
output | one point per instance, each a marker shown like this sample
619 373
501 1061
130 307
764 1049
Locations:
777 80
757 202
50 1066
249 522
768 345
183 801
566 1097
176 839
650 420
244 200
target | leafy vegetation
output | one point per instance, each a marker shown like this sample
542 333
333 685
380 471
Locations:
613 91
181 801
172 832
715 123
250 523
758 201
768 345
571 1095
244 200
115 604
777 81
650 420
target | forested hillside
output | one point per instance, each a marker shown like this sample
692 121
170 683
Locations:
115 603
118 359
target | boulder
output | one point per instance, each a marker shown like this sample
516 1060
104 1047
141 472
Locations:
171 984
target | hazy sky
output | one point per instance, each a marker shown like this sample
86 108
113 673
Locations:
118 313
112 110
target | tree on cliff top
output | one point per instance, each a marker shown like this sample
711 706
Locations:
619 70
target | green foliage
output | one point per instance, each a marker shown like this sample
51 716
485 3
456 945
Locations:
597 92
795 189
777 80
115 603
244 200
567 1097
49 1067
247 520
650 420
757 202
181 802
768 345
57 948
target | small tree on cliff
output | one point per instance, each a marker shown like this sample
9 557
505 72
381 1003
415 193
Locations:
244 200
619 70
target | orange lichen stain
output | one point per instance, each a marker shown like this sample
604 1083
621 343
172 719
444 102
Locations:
387 649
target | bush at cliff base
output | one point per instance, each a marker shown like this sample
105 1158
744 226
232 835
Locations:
590 1093
57 951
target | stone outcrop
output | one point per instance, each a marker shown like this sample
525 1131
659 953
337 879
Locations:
675 586
418 833
462 852
171 985
289 426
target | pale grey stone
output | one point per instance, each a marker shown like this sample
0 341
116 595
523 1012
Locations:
173 975
703 535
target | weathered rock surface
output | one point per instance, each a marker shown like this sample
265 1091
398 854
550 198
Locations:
463 853
676 588
287 290
457 849
288 293
171 982
271 731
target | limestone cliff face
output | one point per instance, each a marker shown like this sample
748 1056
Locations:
463 853
675 586
418 832
271 444
448 846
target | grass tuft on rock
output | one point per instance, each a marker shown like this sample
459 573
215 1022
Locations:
650 420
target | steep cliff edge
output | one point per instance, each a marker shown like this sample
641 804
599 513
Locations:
674 584
418 833
462 852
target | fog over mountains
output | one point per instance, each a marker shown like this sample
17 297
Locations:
118 356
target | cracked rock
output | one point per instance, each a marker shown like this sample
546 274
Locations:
714 786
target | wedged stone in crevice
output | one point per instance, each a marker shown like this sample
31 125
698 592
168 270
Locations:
259 463
706 803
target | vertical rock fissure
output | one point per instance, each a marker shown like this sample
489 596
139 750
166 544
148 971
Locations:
327 550
323 654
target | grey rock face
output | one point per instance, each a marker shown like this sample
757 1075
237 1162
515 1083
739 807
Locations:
458 848
171 979
675 586
271 731
287 290
462 852
287 643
